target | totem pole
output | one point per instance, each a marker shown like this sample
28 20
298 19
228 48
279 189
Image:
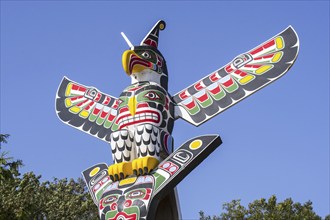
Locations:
140 184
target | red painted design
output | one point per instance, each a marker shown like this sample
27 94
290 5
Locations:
166 104
78 88
269 44
96 111
81 103
214 77
203 98
98 97
256 51
169 167
198 86
150 42
240 73
159 61
111 117
75 98
265 46
106 100
134 89
183 95
103 114
191 105
123 109
114 207
229 69
135 60
216 90
123 215
147 195
252 66
150 116
142 105
116 104
228 83
89 106
128 203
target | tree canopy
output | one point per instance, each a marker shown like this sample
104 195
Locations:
266 209
26 197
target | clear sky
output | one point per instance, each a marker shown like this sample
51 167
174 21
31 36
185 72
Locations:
274 142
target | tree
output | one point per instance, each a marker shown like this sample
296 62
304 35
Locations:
26 197
263 209
8 166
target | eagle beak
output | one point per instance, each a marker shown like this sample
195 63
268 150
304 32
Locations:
132 63
126 60
132 105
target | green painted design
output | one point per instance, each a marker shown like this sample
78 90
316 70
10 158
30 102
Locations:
194 110
207 102
159 180
129 211
100 121
151 95
107 124
124 101
231 88
219 95
114 127
92 117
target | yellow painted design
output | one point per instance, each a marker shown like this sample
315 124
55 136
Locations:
75 109
146 164
120 170
84 113
279 42
277 57
68 89
94 171
126 62
68 102
263 69
127 181
195 144
132 105
246 79
138 68
161 26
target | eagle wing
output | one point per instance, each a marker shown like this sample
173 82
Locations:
246 74
86 109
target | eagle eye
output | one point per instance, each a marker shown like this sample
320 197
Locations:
146 55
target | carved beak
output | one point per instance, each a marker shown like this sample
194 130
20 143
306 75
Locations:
132 105
132 63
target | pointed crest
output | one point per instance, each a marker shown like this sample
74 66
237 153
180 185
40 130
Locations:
151 39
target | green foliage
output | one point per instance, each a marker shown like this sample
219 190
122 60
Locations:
8 167
263 209
26 197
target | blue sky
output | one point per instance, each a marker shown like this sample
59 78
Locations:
274 142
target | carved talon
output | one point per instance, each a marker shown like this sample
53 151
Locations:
120 171
144 165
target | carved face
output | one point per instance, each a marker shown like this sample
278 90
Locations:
145 63
145 103
127 199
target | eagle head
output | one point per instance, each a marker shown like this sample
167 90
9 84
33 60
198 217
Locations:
145 62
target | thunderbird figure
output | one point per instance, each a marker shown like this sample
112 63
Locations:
138 124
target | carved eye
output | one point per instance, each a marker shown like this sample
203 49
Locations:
135 194
152 96
91 93
146 55
110 199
